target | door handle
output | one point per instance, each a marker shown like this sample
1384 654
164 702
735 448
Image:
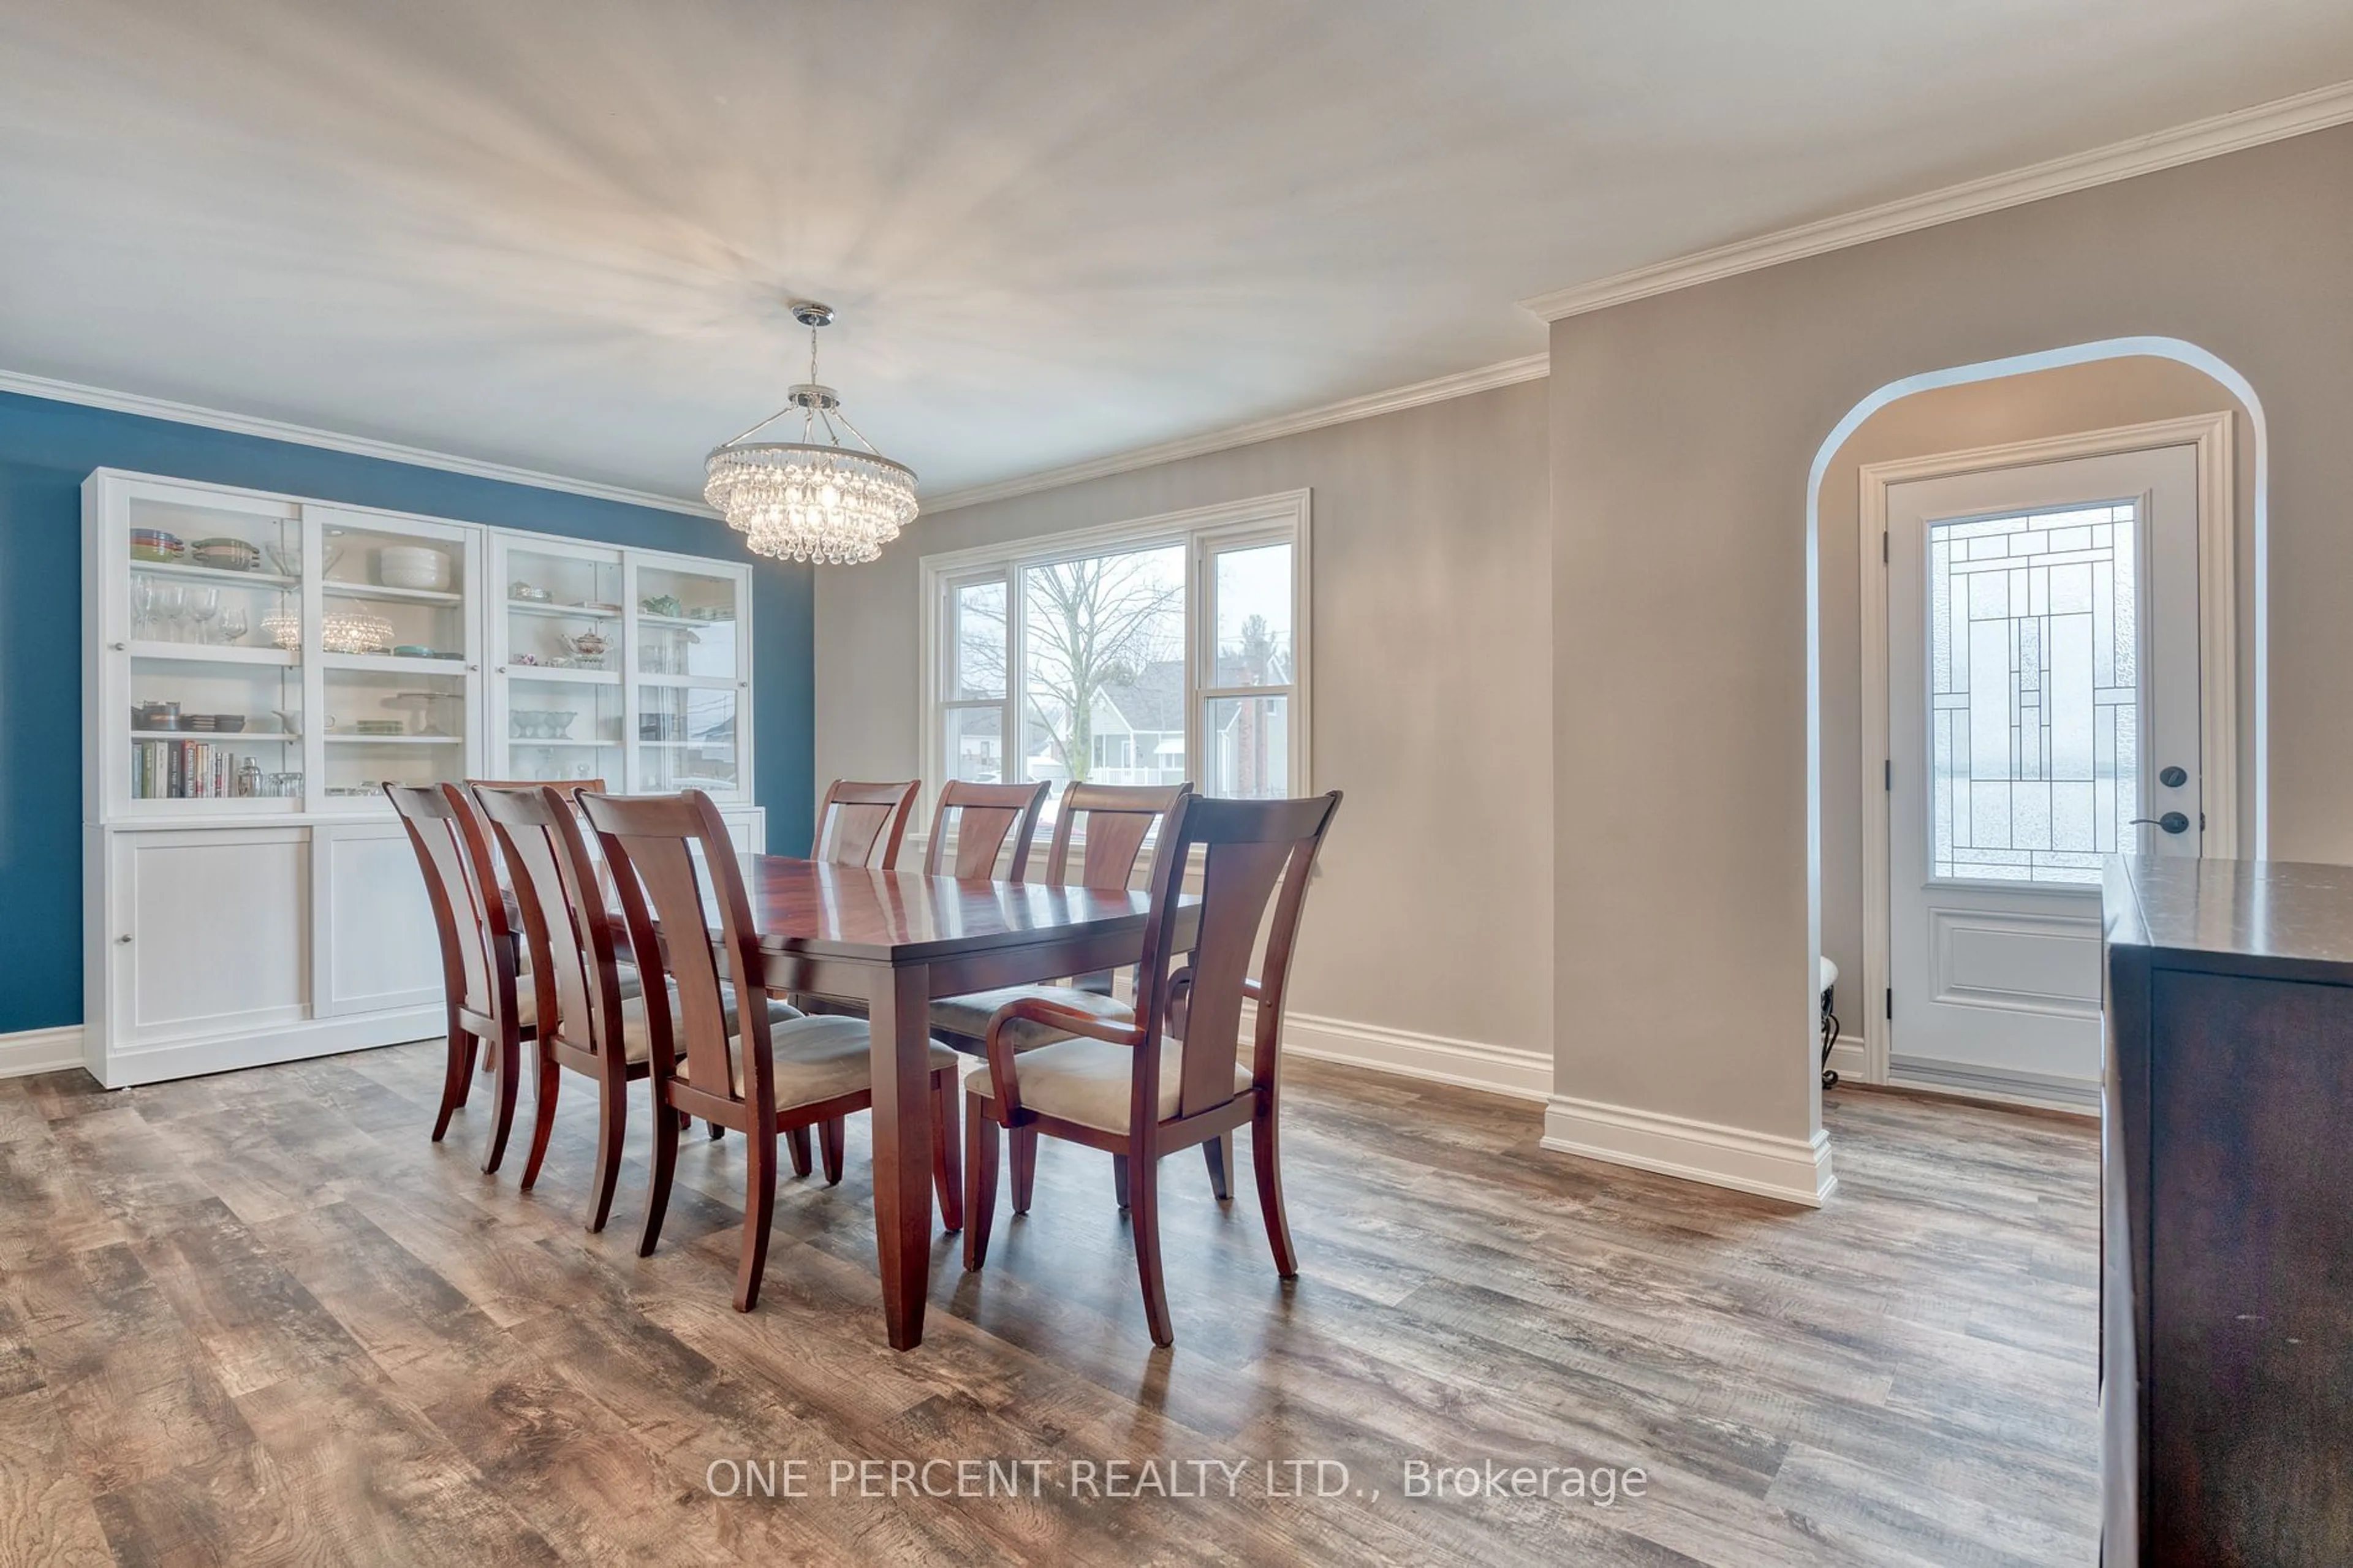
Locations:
2171 822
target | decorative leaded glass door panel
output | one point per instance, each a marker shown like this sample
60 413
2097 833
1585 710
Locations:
2043 715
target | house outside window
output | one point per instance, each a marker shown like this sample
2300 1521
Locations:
1144 653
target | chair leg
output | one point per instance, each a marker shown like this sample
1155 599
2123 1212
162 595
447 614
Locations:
797 1144
1120 1187
456 1079
1219 1153
1145 1188
542 1120
1024 1141
759 1212
506 1066
948 1161
612 1124
717 1131
1270 1189
658 1193
980 1181
828 1147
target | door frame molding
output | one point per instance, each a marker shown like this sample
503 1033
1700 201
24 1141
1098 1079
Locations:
2218 651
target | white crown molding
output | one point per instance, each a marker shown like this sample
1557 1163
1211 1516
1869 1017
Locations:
2240 129
333 441
1438 389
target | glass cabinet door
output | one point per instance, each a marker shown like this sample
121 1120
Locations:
562 630
688 661
686 739
395 644
211 603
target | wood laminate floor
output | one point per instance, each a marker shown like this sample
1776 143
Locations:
259 1319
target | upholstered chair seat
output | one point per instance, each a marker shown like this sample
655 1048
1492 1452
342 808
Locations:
1089 1081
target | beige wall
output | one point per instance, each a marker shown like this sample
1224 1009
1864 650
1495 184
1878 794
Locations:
1683 430
2065 401
1432 697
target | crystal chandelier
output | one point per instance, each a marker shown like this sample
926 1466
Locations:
354 630
811 500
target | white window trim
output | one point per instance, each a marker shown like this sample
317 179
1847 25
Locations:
1271 518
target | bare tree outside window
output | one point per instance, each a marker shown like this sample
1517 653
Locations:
1088 625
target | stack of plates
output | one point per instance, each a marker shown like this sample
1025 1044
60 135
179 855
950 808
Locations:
226 554
412 567
154 544
379 727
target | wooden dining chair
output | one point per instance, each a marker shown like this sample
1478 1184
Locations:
985 815
1177 1077
857 820
774 1076
589 1004
1119 820
479 961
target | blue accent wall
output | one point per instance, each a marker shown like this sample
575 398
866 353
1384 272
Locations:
47 449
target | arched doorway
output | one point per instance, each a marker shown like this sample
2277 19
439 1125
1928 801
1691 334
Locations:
2053 398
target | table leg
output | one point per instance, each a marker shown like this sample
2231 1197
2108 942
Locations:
900 1011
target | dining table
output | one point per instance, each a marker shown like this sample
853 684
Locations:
899 940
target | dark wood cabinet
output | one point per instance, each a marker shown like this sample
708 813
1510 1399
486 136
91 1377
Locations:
2227 1203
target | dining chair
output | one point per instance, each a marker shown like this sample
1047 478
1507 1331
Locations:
774 1076
1119 820
985 816
1174 1078
589 1004
856 819
480 957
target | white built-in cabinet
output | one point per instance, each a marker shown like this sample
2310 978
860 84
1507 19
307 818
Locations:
259 902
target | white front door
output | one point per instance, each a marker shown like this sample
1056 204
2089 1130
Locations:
2042 707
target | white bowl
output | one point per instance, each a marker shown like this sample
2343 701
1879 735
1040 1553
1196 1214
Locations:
412 567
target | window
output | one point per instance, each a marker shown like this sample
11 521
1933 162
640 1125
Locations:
1147 653
2035 694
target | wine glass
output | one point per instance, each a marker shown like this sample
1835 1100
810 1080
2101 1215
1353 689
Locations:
143 605
172 608
234 624
204 608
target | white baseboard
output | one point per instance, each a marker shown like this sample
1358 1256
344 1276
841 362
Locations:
1848 1060
261 1048
1796 1170
1471 1064
30 1051
2044 1091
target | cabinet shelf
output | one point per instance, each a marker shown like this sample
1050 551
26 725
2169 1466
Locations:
334 590
565 612
679 623
340 739
212 653
393 664
221 738
211 574
559 672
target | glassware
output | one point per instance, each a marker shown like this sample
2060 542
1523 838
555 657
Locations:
143 605
204 608
172 607
234 624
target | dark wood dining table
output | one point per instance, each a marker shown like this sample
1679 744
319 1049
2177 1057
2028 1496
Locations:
900 940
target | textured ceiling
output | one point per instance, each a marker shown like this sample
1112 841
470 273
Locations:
559 235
